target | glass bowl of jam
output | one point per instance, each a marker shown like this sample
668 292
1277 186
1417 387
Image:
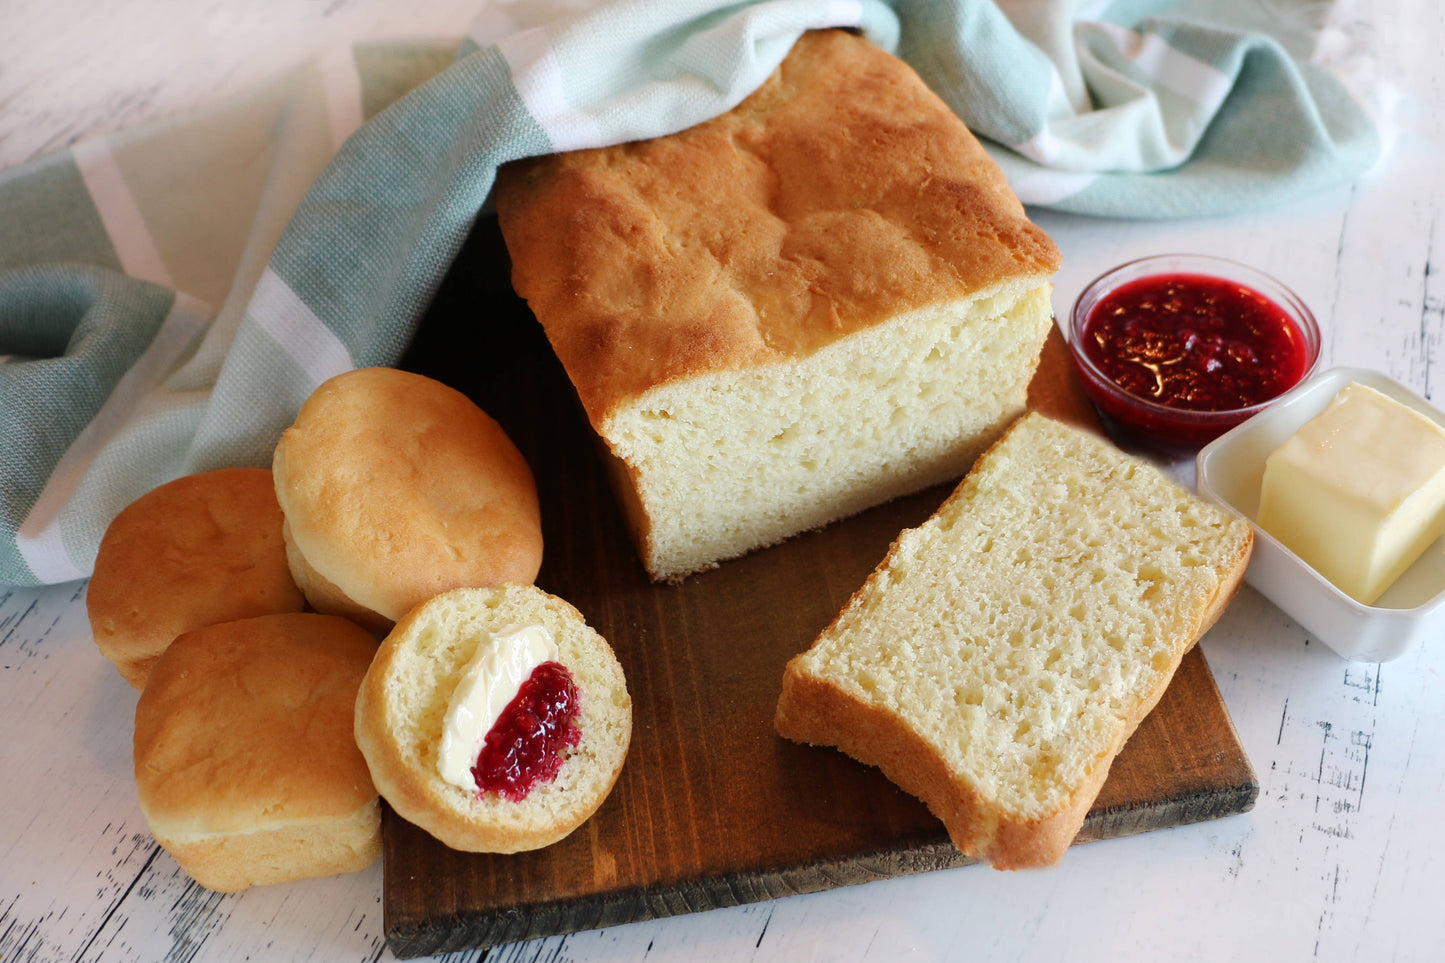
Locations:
1176 349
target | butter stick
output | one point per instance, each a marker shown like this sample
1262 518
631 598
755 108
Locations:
1359 491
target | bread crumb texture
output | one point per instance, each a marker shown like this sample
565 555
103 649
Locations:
997 660
402 708
898 408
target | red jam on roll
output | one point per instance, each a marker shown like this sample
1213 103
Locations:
524 747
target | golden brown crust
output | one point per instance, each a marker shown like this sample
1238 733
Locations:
228 864
244 758
396 488
817 711
840 194
196 551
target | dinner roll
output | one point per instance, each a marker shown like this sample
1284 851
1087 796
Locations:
196 551
244 760
402 708
396 488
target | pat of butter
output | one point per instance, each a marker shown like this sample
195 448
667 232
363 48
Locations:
1359 491
503 661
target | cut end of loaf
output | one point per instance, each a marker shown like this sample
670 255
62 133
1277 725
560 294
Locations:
998 659
715 466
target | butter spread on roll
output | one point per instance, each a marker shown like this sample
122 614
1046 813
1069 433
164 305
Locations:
504 660
579 701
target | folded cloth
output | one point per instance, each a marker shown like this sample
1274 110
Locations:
169 296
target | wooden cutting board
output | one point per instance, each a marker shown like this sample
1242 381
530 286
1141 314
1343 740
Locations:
713 808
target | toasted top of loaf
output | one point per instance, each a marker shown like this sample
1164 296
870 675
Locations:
999 657
199 550
245 727
841 193
396 487
402 707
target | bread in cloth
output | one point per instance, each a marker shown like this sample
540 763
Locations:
244 759
195 551
403 702
996 661
396 487
821 300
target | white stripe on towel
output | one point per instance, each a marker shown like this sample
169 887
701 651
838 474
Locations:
537 75
1172 69
282 314
1046 186
124 223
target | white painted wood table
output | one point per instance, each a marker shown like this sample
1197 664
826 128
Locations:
1343 858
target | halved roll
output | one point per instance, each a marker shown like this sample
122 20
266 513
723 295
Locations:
456 650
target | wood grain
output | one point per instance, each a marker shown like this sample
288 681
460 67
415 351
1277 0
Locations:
712 808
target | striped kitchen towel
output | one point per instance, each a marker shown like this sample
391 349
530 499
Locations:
170 296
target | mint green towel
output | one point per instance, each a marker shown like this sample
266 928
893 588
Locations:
169 296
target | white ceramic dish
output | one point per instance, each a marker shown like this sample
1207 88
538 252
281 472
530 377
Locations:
1230 470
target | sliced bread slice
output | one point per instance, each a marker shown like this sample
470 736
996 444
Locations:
998 658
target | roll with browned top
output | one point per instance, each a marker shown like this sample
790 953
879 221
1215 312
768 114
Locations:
395 488
196 551
245 763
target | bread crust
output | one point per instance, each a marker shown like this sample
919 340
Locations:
396 488
840 194
245 764
202 549
831 711
402 702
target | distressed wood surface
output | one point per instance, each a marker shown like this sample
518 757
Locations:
713 809
1341 858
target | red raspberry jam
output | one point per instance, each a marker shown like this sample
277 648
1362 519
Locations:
1195 342
524 747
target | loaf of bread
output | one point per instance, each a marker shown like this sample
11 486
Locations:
821 300
196 551
995 662
395 488
244 758
401 715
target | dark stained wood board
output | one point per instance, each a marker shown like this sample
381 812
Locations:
713 808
